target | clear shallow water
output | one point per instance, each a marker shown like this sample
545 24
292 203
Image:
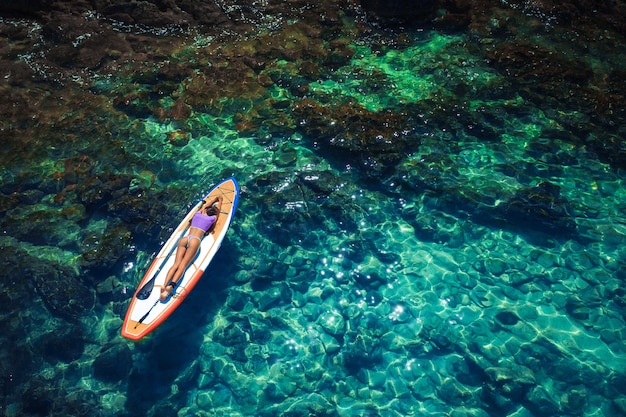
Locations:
444 281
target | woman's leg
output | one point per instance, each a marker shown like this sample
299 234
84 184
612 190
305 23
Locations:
190 253
180 254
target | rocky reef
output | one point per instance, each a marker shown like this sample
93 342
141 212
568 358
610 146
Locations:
432 208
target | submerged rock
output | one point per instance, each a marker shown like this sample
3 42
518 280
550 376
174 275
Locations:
531 64
39 399
575 400
361 352
507 318
333 323
65 343
61 291
540 208
401 9
377 140
539 401
113 363
455 393
505 387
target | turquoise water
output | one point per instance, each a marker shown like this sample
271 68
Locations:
431 223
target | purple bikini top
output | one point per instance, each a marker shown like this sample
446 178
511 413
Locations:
202 221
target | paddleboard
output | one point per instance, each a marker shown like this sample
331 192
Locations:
145 315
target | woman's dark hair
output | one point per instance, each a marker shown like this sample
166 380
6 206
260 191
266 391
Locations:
212 211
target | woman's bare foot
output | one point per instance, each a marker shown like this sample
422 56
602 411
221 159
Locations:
166 291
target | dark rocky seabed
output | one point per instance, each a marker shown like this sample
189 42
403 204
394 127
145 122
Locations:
432 218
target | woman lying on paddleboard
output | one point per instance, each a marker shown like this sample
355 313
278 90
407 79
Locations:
188 246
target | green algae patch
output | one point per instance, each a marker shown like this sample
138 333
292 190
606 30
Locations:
379 80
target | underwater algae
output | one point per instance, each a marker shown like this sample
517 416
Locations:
431 219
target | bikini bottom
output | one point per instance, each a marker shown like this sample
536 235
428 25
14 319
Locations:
189 240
